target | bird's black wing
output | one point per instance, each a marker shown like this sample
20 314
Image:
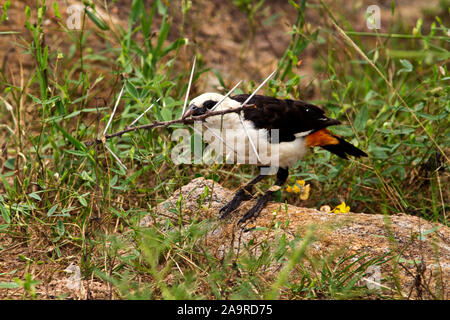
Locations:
288 116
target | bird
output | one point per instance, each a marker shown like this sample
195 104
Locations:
298 125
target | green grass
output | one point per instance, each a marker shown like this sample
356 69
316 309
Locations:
391 88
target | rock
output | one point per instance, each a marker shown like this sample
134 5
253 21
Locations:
418 251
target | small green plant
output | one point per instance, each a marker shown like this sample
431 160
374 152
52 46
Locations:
28 284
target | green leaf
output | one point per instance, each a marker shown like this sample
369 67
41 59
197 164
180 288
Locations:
6 183
407 66
60 228
85 176
163 33
431 116
132 90
361 119
52 210
162 9
5 10
5 213
45 58
56 10
292 3
9 285
219 77
82 201
77 144
28 12
113 181
378 152
173 46
59 118
424 233
76 153
96 20
10 163
166 113
34 195
137 9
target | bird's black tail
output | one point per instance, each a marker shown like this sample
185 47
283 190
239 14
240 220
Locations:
343 148
325 139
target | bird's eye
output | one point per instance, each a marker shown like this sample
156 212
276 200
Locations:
192 106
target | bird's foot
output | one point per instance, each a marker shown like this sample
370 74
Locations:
256 209
227 209
240 196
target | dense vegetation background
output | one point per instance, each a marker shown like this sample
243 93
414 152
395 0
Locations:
62 202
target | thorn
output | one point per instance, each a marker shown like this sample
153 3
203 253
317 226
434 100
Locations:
116 157
137 119
249 138
226 96
242 121
257 89
220 138
189 86
114 111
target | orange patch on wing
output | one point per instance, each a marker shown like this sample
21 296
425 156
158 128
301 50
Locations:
321 138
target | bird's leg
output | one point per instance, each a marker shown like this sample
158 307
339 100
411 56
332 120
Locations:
243 194
254 212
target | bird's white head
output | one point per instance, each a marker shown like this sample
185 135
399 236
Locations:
207 101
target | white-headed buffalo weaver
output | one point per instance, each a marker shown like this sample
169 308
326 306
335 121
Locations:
300 126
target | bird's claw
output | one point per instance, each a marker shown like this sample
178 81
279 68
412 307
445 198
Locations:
240 196
226 210
252 213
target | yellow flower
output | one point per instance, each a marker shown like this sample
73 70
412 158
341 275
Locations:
300 187
342 208
305 192
301 182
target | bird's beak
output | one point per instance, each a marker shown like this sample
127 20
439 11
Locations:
333 122
188 112
329 121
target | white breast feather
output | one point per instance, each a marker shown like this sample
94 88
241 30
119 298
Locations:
284 154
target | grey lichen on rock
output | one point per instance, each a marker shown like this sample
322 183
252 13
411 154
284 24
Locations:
415 249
